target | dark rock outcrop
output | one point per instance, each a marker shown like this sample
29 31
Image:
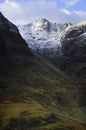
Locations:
74 42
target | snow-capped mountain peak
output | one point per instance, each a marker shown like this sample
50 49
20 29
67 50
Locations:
41 25
45 37
42 35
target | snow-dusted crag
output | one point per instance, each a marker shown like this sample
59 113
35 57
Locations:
43 36
48 38
74 40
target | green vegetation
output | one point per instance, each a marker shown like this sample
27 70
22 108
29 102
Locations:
33 116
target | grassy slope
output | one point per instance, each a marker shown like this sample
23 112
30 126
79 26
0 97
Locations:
40 90
33 116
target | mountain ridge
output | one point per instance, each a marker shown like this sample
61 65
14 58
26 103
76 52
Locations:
43 36
47 42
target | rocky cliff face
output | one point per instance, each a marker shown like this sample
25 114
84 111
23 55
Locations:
43 36
74 41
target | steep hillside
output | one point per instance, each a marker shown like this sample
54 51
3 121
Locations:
72 59
74 51
34 94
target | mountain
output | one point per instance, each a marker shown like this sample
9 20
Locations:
75 40
43 36
74 57
34 94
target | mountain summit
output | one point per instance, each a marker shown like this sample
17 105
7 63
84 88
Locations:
41 25
43 36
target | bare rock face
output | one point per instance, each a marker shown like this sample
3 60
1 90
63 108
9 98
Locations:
74 41
43 36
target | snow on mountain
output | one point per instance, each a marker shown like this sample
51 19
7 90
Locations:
75 31
43 36
74 41
46 37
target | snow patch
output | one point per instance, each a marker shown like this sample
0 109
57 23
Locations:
42 34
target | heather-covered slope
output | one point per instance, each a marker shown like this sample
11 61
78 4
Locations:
33 93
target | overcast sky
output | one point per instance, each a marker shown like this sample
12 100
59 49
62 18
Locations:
26 11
